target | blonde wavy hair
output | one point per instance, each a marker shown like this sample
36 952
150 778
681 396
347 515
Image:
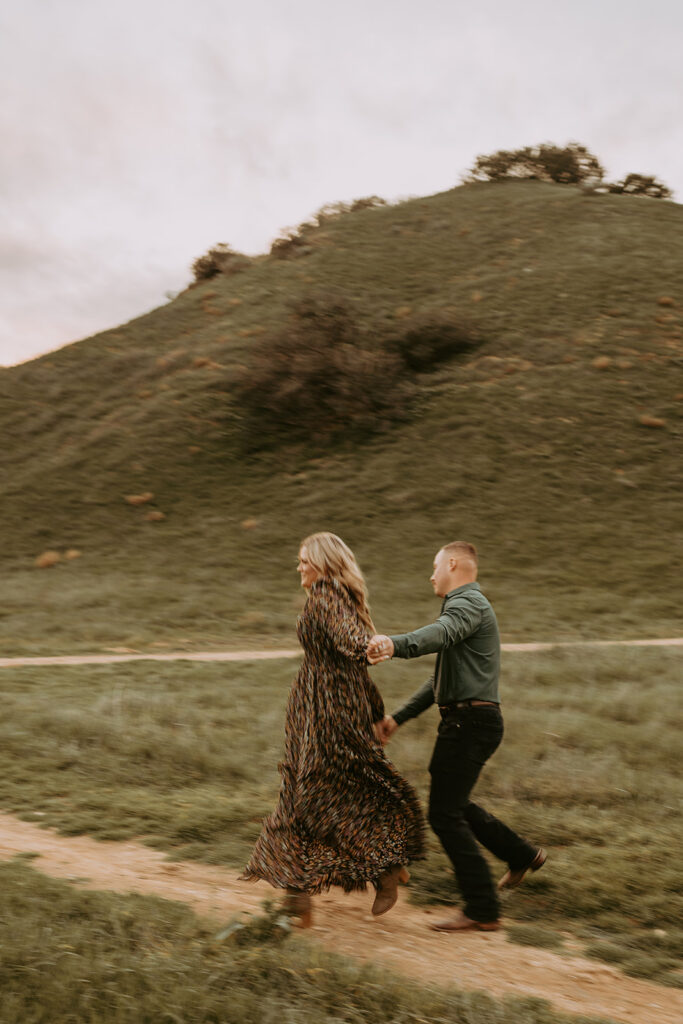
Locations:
334 559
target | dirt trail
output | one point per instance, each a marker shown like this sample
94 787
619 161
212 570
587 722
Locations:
400 940
132 655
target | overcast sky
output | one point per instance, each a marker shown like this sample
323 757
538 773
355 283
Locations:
135 134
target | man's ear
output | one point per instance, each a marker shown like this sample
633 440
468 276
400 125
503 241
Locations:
452 563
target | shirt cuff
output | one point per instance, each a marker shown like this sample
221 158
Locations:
399 643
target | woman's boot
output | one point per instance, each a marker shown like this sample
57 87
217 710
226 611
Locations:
299 904
387 889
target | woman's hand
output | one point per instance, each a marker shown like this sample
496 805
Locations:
380 648
385 729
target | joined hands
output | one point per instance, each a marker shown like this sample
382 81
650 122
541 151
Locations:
380 648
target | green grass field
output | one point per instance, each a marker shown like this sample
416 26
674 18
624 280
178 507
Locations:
555 447
96 958
532 446
184 756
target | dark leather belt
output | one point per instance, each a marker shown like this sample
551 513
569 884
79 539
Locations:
447 708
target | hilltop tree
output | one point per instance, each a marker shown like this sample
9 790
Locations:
572 164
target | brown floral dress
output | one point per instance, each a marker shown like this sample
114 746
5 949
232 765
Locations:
344 814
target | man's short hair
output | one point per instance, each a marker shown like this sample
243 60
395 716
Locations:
462 547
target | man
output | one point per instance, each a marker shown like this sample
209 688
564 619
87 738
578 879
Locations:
466 641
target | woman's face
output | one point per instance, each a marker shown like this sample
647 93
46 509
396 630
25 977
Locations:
308 574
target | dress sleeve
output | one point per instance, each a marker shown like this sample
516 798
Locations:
333 617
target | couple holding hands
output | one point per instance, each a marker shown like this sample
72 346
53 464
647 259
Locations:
345 816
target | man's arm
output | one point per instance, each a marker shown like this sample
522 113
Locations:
457 621
419 702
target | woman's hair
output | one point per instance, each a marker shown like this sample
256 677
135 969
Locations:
334 559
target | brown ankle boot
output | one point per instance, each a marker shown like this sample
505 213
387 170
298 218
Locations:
511 879
298 904
387 889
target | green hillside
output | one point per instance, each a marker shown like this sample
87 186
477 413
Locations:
555 446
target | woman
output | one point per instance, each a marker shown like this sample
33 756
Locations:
344 816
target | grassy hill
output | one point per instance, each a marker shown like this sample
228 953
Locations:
555 447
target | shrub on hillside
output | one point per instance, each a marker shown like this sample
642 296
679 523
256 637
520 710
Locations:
219 260
567 165
297 241
320 379
332 211
428 339
367 203
292 242
641 185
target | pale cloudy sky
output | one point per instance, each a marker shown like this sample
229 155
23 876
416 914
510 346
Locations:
135 134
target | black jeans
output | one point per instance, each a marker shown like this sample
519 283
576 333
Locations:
466 739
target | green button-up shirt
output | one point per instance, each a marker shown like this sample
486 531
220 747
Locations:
466 641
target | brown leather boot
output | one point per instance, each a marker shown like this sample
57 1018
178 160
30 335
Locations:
299 904
511 879
387 889
459 922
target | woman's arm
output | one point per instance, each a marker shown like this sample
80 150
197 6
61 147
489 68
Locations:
332 615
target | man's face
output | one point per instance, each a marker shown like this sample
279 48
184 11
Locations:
440 578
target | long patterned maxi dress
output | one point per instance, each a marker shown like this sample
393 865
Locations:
344 814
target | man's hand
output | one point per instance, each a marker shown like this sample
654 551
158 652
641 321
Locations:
385 729
380 648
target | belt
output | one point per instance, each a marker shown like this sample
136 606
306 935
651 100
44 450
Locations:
446 708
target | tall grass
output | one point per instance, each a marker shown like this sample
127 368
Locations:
71 957
185 756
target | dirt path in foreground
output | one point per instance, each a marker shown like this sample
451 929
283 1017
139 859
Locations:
131 655
400 940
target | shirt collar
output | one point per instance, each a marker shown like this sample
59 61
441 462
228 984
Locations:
465 586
